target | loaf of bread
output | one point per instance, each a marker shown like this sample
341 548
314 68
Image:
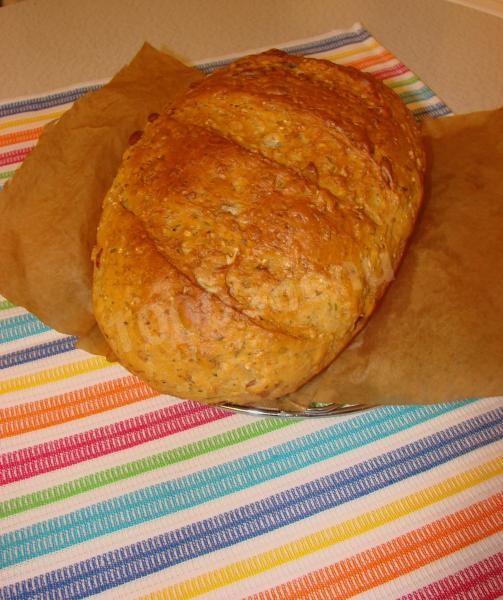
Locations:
253 227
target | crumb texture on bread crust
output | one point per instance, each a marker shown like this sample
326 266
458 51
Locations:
254 226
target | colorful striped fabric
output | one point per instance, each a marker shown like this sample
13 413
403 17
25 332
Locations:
111 488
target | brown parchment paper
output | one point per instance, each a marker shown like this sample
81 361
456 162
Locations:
437 335
50 210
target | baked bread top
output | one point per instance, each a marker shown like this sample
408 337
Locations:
253 227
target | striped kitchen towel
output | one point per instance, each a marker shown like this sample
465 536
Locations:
111 488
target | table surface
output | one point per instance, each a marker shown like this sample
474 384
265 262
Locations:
45 44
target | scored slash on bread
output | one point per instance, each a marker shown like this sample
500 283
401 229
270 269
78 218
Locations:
253 227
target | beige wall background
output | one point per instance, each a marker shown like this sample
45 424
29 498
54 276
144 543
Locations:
45 44
492 7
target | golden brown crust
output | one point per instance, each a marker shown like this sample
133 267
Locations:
341 126
263 216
